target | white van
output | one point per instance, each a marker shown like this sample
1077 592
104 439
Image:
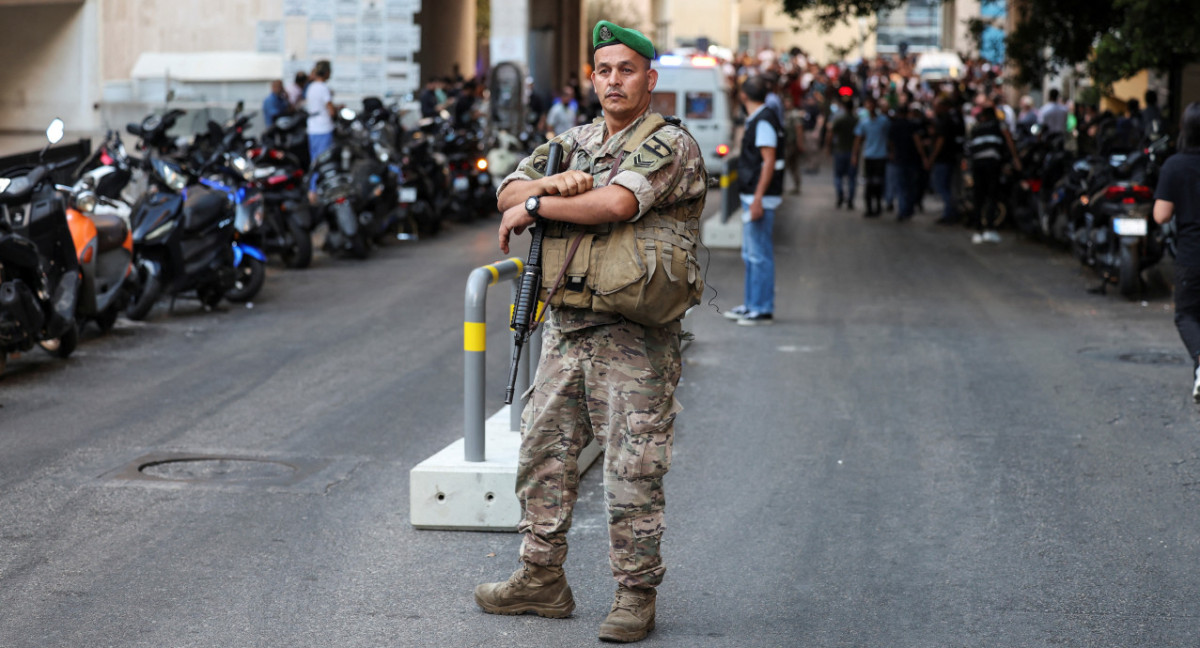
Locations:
693 89
939 66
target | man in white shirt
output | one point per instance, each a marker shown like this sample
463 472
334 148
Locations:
1053 115
318 103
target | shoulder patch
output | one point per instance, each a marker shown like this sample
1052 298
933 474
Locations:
652 155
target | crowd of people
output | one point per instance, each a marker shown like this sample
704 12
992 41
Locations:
908 136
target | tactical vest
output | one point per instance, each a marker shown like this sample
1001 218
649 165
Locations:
751 159
645 270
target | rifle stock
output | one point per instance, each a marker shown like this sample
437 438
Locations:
525 309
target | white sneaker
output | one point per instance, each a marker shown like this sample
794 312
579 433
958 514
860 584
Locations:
991 236
1196 387
737 312
977 238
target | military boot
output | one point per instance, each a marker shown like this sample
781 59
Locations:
532 588
631 617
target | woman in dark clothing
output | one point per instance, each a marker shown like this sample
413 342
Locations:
1178 195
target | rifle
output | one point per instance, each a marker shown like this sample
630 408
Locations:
525 310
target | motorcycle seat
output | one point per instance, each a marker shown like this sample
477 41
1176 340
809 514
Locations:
202 209
110 232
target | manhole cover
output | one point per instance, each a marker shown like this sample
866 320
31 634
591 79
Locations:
218 470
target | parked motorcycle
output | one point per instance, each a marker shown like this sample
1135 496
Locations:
39 272
346 196
1114 231
184 242
100 229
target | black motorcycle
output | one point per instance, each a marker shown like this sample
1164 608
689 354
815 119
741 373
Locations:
1114 231
39 272
185 242
350 190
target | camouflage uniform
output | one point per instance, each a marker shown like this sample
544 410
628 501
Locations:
601 376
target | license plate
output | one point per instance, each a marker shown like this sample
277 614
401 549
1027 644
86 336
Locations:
1129 226
462 183
408 194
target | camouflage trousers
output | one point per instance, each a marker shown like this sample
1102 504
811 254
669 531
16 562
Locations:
614 383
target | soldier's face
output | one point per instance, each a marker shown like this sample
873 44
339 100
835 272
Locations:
623 80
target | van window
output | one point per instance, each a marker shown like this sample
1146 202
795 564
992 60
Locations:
663 103
699 105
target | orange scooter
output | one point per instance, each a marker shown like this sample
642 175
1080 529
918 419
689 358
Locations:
104 243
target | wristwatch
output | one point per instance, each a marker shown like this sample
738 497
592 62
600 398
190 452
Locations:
531 205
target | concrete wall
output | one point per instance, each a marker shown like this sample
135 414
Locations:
131 27
688 20
49 67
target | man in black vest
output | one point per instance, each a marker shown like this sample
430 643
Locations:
989 146
760 183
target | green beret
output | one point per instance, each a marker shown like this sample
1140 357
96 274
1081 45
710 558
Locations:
606 33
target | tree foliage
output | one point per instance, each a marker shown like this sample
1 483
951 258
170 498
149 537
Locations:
1115 38
832 12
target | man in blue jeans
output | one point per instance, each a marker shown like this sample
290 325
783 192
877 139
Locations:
760 184
841 143
944 159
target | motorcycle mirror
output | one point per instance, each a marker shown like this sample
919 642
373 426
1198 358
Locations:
54 133
237 110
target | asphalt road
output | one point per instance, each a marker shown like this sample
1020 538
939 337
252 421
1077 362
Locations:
938 444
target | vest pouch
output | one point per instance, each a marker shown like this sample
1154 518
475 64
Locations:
620 264
645 278
575 290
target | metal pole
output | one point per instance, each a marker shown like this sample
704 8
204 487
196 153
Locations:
729 195
475 350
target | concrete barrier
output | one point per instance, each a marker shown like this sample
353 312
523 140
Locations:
471 484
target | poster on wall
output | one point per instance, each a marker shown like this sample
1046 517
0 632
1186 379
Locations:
403 39
345 39
295 8
268 37
403 8
372 12
371 40
320 10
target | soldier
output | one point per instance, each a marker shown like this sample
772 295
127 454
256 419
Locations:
603 375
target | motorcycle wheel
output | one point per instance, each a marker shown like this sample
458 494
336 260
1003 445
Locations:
144 299
358 245
1129 278
426 218
106 319
408 229
251 274
65 344
299 253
